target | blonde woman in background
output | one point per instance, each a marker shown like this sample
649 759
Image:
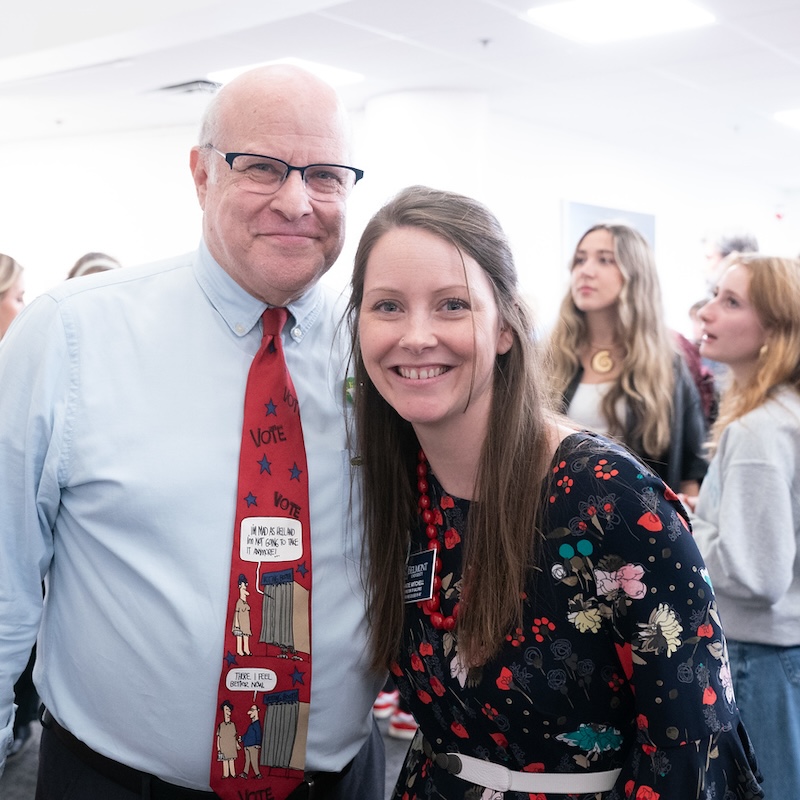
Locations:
747 517
12 291
615 364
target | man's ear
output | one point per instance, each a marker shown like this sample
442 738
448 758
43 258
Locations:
199 168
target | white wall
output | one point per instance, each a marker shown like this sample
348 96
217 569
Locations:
131 194
128 194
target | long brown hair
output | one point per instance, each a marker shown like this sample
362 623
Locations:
647 377
500 547
775 295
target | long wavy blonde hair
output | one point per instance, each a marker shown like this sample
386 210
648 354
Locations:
646 381
775 296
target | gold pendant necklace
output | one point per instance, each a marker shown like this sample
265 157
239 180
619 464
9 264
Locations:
602 362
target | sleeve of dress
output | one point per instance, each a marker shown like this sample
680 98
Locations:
660 607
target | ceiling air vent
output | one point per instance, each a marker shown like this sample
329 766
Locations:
191 87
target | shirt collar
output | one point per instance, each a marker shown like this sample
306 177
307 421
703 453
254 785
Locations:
240 310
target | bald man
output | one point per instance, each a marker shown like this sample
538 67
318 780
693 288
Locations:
119 453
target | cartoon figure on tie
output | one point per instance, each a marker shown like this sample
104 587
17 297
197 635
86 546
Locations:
251 741
241 620
227 741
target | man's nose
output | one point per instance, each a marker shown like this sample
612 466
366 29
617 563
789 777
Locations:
292 200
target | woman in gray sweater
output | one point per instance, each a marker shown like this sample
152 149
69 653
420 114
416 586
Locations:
747 516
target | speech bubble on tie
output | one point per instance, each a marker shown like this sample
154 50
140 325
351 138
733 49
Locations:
270 539
251 680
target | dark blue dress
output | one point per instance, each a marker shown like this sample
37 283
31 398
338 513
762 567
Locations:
620 661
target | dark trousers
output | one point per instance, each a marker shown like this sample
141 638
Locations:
63 776
25 696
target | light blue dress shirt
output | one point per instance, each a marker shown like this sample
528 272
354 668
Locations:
121 403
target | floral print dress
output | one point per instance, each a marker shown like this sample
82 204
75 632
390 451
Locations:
620 661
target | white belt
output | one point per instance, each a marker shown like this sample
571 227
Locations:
502 779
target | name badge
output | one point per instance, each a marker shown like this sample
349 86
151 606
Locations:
419 576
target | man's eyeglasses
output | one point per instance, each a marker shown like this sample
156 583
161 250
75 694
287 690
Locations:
265 175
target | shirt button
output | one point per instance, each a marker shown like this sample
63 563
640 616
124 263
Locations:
240 328
297 334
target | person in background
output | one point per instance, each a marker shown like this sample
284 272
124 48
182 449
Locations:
90 263
119 461
391 705
12 291
720 245
535 591
747 517
12 301
615 365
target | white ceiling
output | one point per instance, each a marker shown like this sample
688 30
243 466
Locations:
704 96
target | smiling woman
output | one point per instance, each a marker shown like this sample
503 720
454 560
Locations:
430 332
535 591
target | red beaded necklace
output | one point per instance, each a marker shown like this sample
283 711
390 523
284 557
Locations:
433 606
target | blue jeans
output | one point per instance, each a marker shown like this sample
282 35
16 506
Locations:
766 680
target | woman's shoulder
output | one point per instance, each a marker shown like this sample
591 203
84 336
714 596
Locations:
600 464
585 444
769 433
776 416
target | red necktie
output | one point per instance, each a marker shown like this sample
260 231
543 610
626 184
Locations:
265 686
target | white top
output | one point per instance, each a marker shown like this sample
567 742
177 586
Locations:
585 407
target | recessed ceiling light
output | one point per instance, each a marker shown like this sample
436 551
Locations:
332 75
791 117
598 21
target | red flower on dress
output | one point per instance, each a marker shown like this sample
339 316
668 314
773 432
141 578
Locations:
647 793
437 687
625 656
706 630
534 766
395 670
424 697
426 649
416 663
649 749
499 739
451 538
516 638
641 722
446 501
650 521
505 680
459 730
605 471
709 696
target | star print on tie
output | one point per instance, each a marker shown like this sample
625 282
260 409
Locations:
265 685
